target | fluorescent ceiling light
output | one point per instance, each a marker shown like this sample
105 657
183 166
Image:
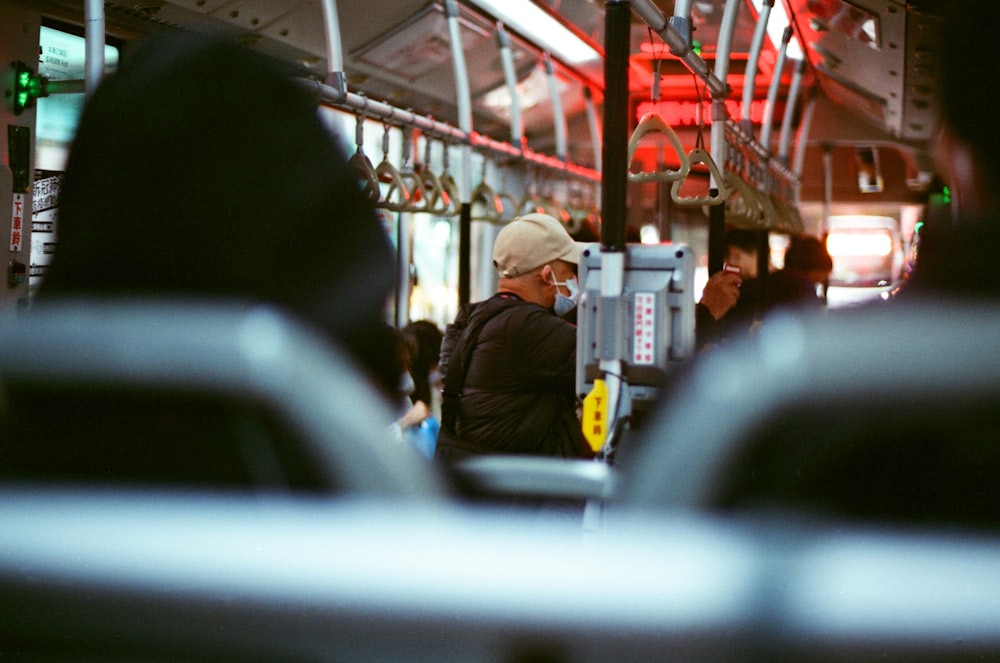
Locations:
536 24
776 24
531 91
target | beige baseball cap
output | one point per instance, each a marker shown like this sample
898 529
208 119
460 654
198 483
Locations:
530 241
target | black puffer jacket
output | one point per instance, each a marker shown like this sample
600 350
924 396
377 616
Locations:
518 396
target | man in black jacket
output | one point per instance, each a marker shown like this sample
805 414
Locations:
509 362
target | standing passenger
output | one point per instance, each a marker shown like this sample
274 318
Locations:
203 169
414 425
509 362
807 261
425 338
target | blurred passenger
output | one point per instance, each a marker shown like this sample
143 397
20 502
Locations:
741 250
509 362
956 255
807 269
415 425
721 294
801 283
203 169
425 351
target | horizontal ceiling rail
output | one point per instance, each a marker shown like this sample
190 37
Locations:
360 104
680 47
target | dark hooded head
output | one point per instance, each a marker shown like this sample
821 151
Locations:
968 75
203 169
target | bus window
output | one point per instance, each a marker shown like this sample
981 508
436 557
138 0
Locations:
865 251
61 57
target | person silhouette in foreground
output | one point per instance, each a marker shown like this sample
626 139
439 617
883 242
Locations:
955 256
203 169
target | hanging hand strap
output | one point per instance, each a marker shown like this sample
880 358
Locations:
485 204
699 155
651 122
397 197
416 197
743 206
508 206
362 165
449 187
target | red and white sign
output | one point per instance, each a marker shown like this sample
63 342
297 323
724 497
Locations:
644 326
17 222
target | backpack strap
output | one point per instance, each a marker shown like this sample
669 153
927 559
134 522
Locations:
458 365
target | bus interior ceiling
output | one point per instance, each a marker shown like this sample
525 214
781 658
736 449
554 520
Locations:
866 98
870 64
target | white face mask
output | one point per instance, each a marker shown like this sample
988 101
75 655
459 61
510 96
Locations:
563 303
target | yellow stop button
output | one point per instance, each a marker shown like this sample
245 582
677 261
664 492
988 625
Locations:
595 415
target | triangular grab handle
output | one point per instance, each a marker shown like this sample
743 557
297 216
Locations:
397 197
486 206
699 155
508 206
449 193
437 202
417 200
366 176
649 123
743 205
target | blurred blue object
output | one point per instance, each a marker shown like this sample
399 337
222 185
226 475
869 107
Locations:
423 437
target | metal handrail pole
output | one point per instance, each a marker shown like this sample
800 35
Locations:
595 129
772 92
750 77
726 31
464 101
681 22
94 45
717 213
656 20
510 76
379 110
558 117
617 35
784 137
334 50
801 142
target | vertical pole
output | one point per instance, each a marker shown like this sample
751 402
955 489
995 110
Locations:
510 76
617 36
558 118
827 186
464 100
717 213
94 36
595 129
404 242
772 92
763 265
664 222
614 168
784 138
750 77
805 125
334 49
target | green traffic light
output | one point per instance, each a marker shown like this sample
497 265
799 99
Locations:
28 86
